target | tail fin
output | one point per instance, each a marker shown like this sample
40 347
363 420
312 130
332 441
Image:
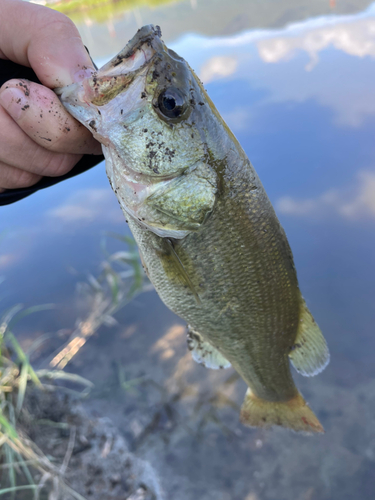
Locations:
294 414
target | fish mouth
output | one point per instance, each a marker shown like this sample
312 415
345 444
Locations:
147 35
120 72
117 74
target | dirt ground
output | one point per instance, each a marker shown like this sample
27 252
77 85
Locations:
95 455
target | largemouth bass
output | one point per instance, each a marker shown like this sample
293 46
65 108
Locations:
208 235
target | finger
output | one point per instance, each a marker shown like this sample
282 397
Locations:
44 39
15 178
39 113
20 151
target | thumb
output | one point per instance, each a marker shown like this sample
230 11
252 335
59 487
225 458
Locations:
46 40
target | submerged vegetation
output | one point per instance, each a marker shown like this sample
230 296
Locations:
120 279
23 466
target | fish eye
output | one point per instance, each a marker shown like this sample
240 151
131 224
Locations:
172 102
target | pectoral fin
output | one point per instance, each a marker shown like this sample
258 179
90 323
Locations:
181 270
309 354
203 352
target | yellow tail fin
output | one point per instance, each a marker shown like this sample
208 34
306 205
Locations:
294 414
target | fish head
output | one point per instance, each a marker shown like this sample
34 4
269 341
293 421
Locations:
146 107
141 104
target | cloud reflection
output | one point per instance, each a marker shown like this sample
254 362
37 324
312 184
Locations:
355 38
338 86
86 206
6 260
339 201
238 119
273 62
218 67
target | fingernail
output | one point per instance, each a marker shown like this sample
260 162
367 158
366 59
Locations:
14 102
82 74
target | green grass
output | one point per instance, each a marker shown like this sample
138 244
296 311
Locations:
120 279
19 457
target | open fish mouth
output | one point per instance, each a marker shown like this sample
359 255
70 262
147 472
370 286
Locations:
112 79
119 72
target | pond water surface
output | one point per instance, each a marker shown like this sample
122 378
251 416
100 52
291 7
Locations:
295 83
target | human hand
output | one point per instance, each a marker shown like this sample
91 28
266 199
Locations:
37 136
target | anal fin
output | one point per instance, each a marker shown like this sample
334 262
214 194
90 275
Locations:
309 354
203 352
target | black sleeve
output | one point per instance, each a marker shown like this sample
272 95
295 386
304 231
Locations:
9 70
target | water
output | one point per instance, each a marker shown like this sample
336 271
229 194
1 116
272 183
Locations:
294 81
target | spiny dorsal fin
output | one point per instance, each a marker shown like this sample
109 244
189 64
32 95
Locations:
309 354
203 352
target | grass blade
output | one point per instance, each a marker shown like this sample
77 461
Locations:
26 471
9 458
8 428
18 488
22 384
30 310
7 317
22 358
61 375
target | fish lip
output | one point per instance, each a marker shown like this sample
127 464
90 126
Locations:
147 41
149 34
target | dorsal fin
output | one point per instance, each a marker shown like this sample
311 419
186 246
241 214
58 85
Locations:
309 354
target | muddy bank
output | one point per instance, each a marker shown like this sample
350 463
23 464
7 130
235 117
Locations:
92 455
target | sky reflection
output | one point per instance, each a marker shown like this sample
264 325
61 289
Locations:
355 202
